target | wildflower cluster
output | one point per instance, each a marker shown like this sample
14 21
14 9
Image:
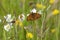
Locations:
38 13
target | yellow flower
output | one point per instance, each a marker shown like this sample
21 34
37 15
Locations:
39 5
51 1
44 7
29 35
53 30
20 24
55 12
17 22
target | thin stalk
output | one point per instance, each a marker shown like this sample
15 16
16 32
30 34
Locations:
42 30
43 25
4 32
4 35
23 34
57 29
23 30
15 32
34 31
23 6
1 6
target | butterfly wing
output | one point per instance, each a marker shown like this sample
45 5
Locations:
33 16
30 17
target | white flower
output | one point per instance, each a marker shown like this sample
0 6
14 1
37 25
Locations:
33 10
28 14
40 12
8 18
0 20
11 25
7 27
9 15
21 17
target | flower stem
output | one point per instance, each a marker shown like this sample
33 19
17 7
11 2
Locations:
4 35
34 30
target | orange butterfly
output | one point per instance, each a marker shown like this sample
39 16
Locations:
33 16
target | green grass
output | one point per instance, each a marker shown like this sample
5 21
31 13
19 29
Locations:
41 28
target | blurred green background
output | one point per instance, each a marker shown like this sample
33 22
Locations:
17 7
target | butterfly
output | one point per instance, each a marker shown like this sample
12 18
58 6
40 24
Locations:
33 16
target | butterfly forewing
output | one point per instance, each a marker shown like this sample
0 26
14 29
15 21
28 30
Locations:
33 16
